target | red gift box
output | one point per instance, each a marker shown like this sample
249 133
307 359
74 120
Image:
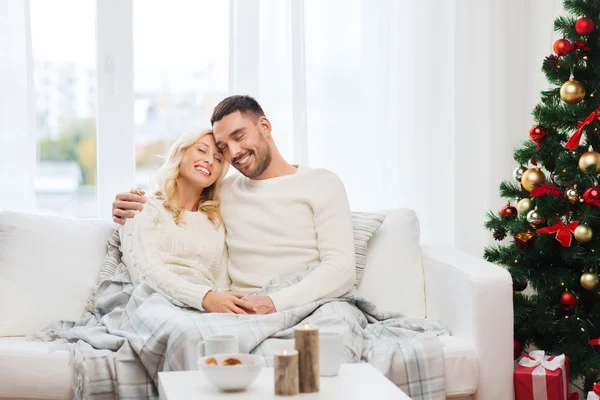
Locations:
542 377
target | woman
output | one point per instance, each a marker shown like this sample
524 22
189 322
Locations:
176 243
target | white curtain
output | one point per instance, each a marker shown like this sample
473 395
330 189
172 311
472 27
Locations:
17 108
414 104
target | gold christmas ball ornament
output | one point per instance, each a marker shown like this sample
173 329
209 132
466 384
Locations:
588 159
518 173
531 178
572 195
589 280
583 233
572 91
534 218
524 206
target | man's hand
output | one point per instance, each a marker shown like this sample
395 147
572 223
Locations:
126 202
263 304
227 302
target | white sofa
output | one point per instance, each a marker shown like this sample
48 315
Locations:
48 267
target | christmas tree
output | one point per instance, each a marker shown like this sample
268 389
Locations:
550 228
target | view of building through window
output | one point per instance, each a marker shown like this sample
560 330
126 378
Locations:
181 73
181 55
65 84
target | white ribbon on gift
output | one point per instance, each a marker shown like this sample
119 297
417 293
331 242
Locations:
539 360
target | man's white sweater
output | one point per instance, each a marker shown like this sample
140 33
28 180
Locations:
277 225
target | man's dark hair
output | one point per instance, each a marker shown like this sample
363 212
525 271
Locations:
242 103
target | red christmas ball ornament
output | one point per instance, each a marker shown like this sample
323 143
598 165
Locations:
592 195
585 26
508 212
537 133
561 45
567 300
517 349
597 389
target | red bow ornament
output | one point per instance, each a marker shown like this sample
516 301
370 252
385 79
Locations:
563 232
579 44
544 189
576 138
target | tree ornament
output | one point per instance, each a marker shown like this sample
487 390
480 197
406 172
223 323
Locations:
508 212
518 172
537 133
597 388
583 233
534 218
572 91
572 195
585 26
573 142
545 189
517 349
561 45
567 300
524 206
592 196
588 159
589 280
524 240
499 233
520 286
531 178
551 61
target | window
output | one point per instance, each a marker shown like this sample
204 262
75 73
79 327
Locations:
63 46
181 56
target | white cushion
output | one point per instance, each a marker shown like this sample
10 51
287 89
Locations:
461 366
393 278
48 267
34 370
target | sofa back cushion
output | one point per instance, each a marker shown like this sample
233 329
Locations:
48 267
393 277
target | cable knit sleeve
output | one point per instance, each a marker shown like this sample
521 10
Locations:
335 274
140 238
223 282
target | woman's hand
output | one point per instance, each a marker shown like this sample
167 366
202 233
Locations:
227 302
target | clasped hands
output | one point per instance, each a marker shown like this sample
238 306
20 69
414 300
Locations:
237 303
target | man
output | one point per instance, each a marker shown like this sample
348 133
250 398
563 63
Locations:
279 217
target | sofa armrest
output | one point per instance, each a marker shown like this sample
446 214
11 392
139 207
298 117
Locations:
474 299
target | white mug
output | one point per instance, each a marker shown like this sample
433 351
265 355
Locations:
331 350
218 344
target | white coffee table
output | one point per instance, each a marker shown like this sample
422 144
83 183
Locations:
355 381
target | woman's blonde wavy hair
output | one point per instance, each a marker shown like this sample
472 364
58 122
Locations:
168 173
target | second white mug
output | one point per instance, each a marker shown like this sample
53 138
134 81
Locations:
218 344
331 350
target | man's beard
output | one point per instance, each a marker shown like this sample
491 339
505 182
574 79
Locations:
262 156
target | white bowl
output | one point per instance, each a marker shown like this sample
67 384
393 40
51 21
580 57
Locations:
232 377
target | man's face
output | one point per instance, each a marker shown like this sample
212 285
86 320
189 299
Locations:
243 143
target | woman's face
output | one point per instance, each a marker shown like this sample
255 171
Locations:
202 163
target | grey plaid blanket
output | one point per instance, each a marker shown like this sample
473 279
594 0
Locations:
136 332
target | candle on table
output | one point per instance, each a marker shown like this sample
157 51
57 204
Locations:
307 345
286 373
